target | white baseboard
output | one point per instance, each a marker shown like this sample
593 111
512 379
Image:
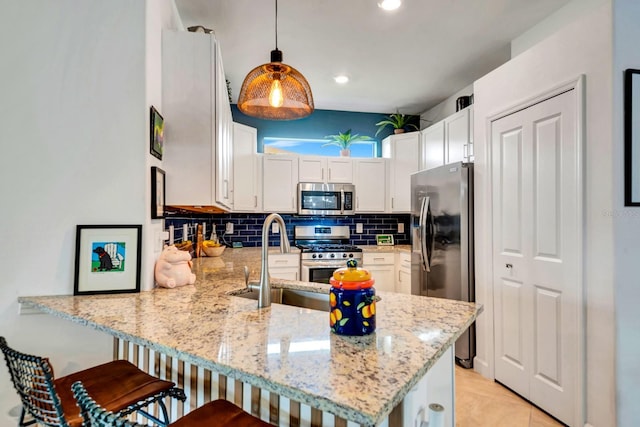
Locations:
482 367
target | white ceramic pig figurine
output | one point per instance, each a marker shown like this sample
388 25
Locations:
173 268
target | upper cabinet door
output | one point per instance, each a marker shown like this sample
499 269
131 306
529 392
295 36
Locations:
448 141
403 151
188 108
371 185
457 137
246 197
280 183
326 170
340 170
224 143
312 169
432 146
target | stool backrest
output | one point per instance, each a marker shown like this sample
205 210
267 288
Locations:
32 377
93 414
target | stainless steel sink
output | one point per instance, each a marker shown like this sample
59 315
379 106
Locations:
294 297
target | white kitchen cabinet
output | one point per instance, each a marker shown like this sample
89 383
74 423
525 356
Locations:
197 122
224 139
437 386
432 146
457 137
403 150
326 170
370 179
448 141
284 266
403 272
247 192
381 265
279 183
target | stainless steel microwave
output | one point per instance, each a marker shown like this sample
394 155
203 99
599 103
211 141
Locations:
326 199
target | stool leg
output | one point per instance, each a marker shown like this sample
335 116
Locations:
156 420
21 422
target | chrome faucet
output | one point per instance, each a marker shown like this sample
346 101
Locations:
264 287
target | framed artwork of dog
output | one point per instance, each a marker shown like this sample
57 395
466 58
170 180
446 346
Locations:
107 259
157 133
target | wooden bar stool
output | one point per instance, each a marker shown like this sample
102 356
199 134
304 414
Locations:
118 385
218 413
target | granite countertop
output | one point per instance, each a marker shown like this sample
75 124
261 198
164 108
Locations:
391 248
283 349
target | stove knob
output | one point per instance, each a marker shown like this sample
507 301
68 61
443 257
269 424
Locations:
319 255
344 255
350 255
313 256
333 255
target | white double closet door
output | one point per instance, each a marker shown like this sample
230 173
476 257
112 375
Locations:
537 253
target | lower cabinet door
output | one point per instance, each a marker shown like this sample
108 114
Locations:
288 273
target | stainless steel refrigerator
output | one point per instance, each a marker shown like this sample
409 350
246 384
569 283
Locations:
442 241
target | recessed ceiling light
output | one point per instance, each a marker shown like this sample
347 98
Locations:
389 4
341 79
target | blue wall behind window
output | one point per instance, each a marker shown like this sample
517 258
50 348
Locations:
318 125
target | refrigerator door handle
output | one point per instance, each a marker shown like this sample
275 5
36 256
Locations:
424 254
432 234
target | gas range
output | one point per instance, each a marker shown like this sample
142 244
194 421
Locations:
324 247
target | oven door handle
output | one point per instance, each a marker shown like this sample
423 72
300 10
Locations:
324 264
342 200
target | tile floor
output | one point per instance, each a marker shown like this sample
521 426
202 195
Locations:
484 403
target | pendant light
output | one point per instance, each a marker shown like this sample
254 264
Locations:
275 91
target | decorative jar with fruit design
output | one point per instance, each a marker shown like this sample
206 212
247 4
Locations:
353 301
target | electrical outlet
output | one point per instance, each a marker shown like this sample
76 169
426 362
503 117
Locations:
401 227
161 236
275 228
359 227
229 229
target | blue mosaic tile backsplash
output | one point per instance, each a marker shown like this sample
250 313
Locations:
247 228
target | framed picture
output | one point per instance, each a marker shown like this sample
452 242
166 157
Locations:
157 133
157 193
107 259
632 137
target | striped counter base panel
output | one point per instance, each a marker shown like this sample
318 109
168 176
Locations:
202 385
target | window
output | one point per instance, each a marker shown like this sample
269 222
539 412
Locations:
314 147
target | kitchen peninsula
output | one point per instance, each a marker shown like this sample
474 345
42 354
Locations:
287 352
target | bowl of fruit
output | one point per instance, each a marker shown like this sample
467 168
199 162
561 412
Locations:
212 248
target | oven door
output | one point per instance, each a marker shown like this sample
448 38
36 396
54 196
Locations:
318 271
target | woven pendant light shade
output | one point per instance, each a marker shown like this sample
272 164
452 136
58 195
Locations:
257 97
275 91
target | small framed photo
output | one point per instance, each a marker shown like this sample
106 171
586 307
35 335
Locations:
157 193
157 133
107 259
632 137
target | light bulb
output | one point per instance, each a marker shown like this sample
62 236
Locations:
389 4
276 99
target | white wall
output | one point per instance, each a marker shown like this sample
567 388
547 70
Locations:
160 14
584 46
553 23
626 224
443 109
74 133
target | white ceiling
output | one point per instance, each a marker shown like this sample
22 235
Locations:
407 60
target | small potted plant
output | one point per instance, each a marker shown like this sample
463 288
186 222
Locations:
344 141
399 122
